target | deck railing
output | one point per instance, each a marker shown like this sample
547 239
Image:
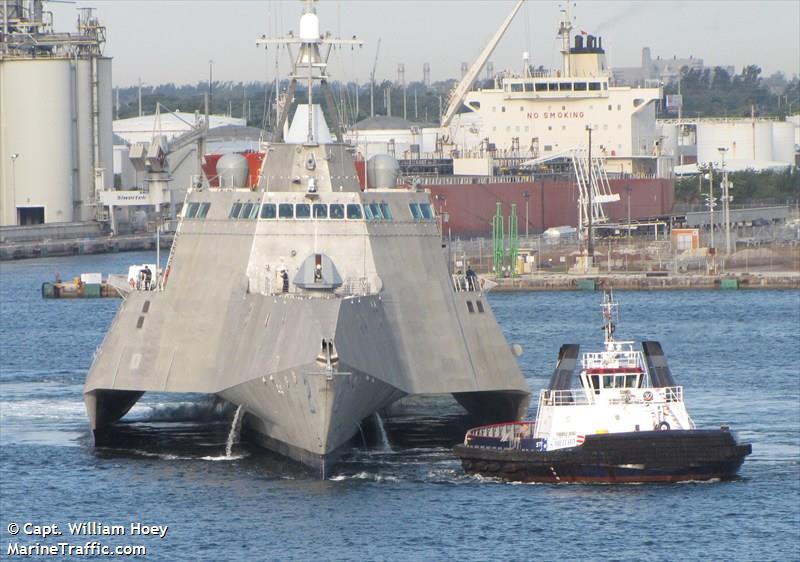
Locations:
511 435
579 397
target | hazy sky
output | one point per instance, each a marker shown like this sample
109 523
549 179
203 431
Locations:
172 41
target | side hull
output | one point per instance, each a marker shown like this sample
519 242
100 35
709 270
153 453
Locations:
650 456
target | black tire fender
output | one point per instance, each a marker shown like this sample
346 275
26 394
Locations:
664 426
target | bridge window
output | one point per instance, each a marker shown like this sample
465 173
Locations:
553 86
286 211
565 86
528 87
416 212
191 210
320 211
248 211
302 211
516 87
470 307
354 211
374 210
427 210
268 211
541 87
386 211
594 86
337 211
480 306
202 212
235 210
580 86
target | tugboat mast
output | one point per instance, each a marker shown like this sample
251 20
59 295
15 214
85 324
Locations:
610 316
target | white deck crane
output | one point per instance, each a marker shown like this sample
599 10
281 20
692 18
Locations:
460 91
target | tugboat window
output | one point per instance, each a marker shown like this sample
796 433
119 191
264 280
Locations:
386 211
595 382
302 211
268 211
354 211
286 211
320 211
203 211
191 210
237 207
337 211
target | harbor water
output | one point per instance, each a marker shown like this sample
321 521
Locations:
400 495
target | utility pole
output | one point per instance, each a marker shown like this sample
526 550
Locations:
527 196
590 247
14 157
628 190
140 97
726 207
210 90
711 204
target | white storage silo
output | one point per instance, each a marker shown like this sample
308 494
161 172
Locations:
55 119
35 105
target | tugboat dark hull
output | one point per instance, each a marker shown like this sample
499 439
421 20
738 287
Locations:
642 456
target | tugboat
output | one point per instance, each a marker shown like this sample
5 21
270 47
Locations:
626 423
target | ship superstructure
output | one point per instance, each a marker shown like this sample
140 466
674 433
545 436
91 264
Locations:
306 300
541 113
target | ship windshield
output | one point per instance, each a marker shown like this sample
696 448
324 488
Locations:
302 211
415 211
320 211
354 211
337 211
286 211
203 211
268 211
247 211
427 211
191 210
386 211
376 211
237 207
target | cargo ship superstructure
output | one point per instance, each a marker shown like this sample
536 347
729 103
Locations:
307 301
515 140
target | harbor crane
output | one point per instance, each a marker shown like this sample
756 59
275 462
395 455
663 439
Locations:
460 91
372 80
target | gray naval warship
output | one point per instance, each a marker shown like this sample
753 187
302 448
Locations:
306 300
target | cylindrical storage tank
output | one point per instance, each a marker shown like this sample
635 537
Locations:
783 142
233 170
36 126
382 171
82 93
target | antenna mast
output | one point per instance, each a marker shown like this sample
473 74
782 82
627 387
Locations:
311 62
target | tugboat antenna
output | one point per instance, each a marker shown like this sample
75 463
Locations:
610 315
